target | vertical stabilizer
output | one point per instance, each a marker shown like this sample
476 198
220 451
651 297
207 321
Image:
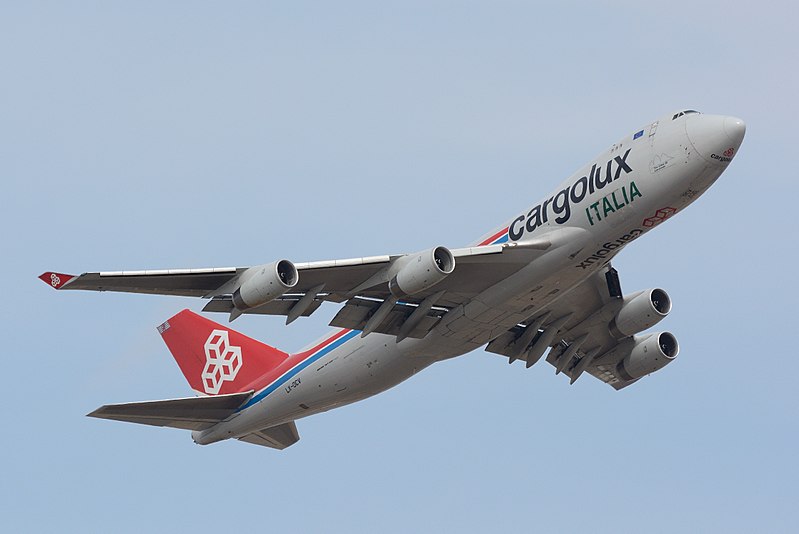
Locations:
214 358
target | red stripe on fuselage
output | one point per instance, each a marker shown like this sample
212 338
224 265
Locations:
494 237
292 361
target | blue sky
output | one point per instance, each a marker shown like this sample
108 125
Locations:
213 134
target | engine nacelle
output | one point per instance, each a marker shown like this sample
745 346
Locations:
422 271
650 353
264 283
640 311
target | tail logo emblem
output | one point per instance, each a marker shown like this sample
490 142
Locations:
222 361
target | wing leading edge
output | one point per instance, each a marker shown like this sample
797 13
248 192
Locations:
363 283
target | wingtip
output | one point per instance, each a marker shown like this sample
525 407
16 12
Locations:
56 280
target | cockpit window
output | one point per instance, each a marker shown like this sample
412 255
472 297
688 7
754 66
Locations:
686 112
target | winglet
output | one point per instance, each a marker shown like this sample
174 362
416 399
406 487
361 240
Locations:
56 280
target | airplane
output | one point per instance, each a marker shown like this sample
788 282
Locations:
540 284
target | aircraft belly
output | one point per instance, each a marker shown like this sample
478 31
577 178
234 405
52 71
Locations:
516 299
354 371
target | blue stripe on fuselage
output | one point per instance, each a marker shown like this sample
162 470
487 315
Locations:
291 373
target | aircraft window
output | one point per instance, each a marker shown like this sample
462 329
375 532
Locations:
676 115
686 112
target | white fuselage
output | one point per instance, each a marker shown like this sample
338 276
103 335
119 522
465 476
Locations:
621 194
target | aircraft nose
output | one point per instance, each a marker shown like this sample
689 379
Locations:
735 129
715 137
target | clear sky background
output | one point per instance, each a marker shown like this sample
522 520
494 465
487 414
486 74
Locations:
199 134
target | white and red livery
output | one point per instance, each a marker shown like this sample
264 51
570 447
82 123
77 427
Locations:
541 286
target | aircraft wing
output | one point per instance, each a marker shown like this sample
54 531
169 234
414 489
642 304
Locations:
182 282
579 318
361 282
338 275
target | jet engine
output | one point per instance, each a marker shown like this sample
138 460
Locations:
264 283
640 311
422 271
649 353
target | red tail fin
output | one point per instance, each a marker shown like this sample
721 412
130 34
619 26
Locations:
215 359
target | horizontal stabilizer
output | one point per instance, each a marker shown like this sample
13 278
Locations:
276 437
193 413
